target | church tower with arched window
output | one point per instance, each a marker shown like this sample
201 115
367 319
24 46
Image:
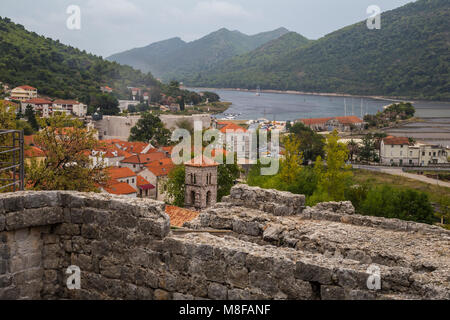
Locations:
200 183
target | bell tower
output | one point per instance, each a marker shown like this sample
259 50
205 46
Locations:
200 183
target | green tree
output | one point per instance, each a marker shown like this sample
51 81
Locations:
176 185
105 103
367 151
311 143
150 129
291 165
30 114
335 177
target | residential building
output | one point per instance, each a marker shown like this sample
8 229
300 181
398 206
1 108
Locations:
236 139
71 107
23 93
42 106
106 89
400 151
137 162
156 173
123 181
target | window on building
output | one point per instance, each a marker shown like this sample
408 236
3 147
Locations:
423 153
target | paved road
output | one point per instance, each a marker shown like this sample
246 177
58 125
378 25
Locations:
399 172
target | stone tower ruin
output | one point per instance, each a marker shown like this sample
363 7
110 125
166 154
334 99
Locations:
201 183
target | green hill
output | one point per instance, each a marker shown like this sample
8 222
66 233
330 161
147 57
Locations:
408 57
59 70
175 59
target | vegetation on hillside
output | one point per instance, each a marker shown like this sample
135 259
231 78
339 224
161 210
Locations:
407 57
176 59
58 70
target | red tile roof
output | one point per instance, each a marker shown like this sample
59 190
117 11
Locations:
28 88
161 167
120 173
119 188
201 161
144 184
349 120
179 216
66 102
39 101
231 127
144 158
33 152
391 140
29 140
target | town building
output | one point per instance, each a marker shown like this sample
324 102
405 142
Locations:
70 107
24 93
341 124
157 172
236 139
400 151
42 106
106 89
200 183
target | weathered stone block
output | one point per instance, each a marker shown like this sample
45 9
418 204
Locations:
310 272
217 291
161 295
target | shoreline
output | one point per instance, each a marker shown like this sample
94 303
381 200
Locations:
324 94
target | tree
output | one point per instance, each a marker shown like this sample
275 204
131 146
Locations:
353 149
367 151
226 176
176 185
291 165
67 165
335 177
30 114
107 104
150 129
311 143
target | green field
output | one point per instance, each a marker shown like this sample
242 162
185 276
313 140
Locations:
372 178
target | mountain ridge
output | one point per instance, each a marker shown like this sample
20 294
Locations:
407 57
191 57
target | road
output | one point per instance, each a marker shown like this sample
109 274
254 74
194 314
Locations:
399 172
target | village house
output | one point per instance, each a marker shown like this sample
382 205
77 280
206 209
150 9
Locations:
137 162
106 89
235 138
70 107
341 124
137 185
42 106
400 151
23 93
156 172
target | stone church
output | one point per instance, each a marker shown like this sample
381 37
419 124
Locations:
201 183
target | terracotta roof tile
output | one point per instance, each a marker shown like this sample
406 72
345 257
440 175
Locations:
179 216
120 173
391 140
120 188
161 167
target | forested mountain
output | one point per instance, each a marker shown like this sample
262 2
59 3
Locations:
409 57
175 59
59 70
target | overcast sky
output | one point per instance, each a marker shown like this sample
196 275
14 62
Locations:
111 26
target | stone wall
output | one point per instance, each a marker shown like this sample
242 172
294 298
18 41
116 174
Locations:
126 250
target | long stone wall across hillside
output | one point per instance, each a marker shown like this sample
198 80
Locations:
125 249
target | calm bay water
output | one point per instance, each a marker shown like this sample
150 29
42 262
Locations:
281 106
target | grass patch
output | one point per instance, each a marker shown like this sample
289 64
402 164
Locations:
372 178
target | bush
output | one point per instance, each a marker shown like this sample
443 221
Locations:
405 204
